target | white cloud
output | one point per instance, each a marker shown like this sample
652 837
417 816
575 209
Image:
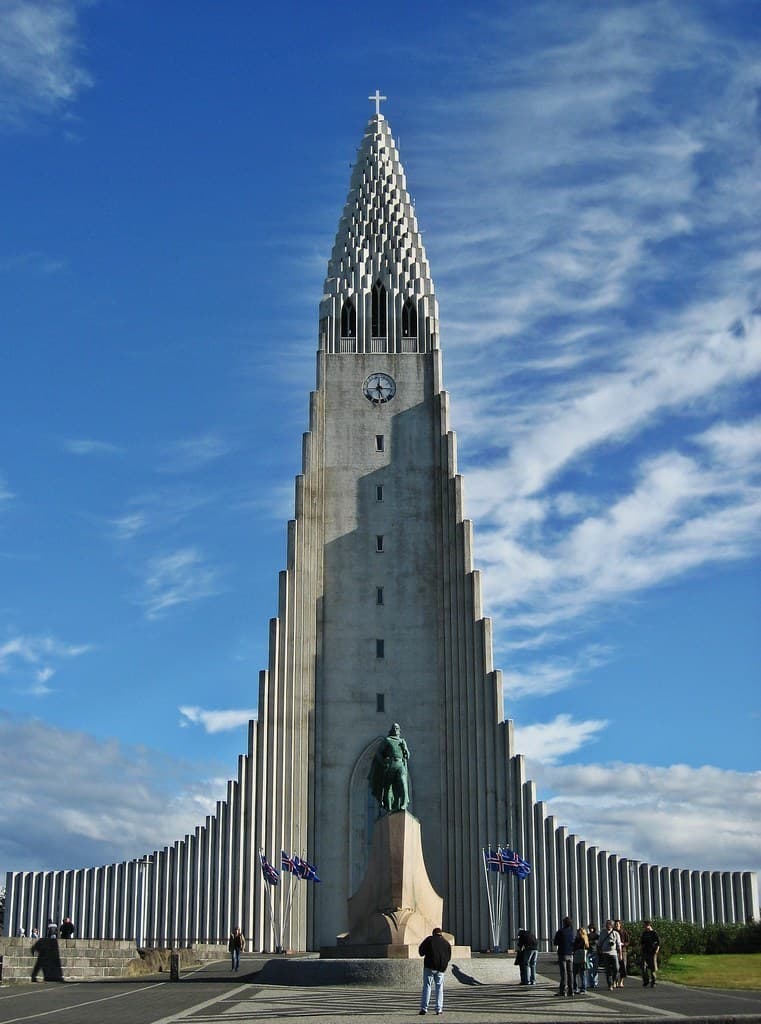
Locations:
706 817
36 657
82 446
159 510
81 800
550 741
128 526
542 678
216 721
179 577
5 493
683 511
193 454
41 66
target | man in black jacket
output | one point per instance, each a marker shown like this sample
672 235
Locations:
649 943
564 937
437 953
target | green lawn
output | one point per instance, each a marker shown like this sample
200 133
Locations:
722 970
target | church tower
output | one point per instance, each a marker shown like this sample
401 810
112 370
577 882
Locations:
401 633
380 605
379 620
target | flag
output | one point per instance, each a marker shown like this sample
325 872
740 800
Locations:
303 869
514 863
311 872
271 876
288 863
493 860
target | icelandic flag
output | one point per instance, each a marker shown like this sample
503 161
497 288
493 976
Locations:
288 863
303 869
493 860
311 872
514 863
271 876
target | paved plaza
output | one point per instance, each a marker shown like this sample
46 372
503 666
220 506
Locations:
212 994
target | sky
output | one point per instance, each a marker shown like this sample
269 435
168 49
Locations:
587 179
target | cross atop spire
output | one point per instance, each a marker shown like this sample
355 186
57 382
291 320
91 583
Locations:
377 97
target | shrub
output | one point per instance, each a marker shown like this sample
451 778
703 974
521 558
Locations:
682 937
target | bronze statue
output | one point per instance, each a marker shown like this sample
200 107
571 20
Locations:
388 772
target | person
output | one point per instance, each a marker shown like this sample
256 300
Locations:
649 943
564 937
610 952
625 937
235 944
580 949
593 960
35 933
388 772
66 931
51 932
526 956
436 953
21 933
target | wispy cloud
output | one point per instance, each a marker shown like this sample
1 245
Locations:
605 364
180 577
158 510
36 262
541 678
36 659
683 511
5 493
549 742
193 454
82 446
216 721
41 66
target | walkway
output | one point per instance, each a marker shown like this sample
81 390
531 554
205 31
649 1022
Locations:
213 996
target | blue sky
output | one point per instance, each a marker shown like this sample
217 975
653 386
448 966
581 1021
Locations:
587 180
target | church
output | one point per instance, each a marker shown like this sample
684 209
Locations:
379 621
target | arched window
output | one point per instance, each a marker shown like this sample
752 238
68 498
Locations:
348 320
409 319
378 329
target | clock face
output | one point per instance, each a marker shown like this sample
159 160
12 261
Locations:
379 388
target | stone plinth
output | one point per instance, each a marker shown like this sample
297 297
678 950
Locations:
396 906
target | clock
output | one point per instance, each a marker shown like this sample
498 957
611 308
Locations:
379 388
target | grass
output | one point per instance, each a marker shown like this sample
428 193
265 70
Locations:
720 970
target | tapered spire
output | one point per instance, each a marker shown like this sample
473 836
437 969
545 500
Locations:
378 291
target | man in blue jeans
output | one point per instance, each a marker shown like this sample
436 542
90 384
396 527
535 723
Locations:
437 953
564 937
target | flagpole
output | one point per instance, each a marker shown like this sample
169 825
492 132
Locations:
267 888
488 894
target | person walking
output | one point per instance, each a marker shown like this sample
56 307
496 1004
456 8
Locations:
564 937
623 955
526 956
235 944
580 950
610 952
436 953
649 943
593 960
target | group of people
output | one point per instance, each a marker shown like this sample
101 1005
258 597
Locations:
582 952
65 930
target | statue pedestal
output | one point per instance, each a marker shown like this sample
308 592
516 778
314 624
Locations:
396 906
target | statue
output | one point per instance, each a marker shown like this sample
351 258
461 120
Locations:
388 772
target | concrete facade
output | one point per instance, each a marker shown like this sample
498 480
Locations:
379 620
